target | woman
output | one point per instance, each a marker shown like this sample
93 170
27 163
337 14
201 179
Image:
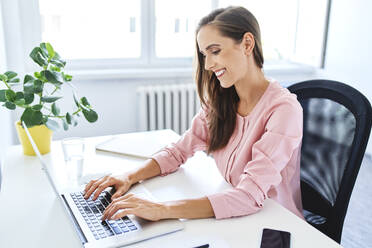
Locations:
251 126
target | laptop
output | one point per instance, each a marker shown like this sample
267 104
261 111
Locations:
86 215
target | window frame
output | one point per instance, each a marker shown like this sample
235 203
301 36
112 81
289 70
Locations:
30 29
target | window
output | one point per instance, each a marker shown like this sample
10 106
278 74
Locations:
175 30
291 30
116 34
92 29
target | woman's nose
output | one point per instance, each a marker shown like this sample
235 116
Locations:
209 63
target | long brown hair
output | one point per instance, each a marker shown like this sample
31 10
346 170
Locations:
222 103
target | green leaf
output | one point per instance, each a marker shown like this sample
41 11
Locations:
26 116
74 121
53 77
27 79
90 115
31 117
38 86
14 81
50 49
57 61
68 118
10 95
55 109
2 96
55 68
29 98
52 125
37 75
20 102
10 105
37 107
29 87
10 74
65 125
76 101
37 57
84 101
3 78
19 95
44 51
50 98
66 77
37 118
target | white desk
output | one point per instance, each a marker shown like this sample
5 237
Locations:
32 216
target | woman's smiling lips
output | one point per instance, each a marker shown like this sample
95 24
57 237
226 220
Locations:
219 73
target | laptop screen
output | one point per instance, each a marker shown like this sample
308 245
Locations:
43 164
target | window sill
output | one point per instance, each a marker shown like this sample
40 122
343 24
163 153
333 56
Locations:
271 70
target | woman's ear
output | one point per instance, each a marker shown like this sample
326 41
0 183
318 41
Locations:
248 42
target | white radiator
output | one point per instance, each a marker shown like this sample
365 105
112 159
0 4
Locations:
167 106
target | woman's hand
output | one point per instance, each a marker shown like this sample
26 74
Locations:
121 183
132 204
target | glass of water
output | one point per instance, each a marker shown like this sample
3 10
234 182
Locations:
73 152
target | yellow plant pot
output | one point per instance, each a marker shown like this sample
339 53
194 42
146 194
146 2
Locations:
40 134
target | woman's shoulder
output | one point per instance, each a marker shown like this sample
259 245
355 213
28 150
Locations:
279 96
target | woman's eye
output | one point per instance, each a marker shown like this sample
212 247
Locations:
216 52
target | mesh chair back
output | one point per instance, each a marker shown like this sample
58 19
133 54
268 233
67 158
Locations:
337 123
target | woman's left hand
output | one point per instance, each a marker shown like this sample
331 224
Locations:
131 204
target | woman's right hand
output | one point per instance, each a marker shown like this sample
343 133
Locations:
121 183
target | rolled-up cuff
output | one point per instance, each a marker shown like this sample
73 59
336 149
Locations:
220 208
166 162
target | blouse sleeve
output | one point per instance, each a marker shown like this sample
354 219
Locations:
270 155
194 139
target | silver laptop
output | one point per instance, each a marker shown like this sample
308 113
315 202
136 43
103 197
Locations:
86 216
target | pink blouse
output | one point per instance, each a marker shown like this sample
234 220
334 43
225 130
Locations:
261 159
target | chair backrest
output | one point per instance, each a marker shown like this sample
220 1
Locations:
337 124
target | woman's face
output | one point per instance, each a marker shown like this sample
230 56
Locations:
222 55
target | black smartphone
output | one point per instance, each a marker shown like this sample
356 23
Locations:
275 239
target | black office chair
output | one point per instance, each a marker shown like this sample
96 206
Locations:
337 124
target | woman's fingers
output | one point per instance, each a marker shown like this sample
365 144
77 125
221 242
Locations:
119 192
101 188
87 187
114 208
123 213
92 186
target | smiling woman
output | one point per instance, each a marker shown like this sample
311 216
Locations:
250 125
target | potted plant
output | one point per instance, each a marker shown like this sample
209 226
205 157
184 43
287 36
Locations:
38 96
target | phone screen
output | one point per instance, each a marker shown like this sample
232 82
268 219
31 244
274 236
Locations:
275 239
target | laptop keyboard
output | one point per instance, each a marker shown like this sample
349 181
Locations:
92 213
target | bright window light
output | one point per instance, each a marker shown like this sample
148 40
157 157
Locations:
291 30
92 29
176 22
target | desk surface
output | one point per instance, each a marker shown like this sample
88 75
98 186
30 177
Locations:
32 216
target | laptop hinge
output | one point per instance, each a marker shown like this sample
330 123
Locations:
76 224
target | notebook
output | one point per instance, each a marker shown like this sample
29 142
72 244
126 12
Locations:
142 144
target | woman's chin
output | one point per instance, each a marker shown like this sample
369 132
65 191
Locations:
225 84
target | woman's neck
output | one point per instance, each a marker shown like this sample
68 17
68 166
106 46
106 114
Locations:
252 87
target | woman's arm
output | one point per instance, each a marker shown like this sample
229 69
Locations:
122 183
148 170
189 209
181 209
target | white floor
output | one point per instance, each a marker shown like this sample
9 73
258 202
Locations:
357 231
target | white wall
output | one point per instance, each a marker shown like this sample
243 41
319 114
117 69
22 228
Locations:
6 132
349 50
116 102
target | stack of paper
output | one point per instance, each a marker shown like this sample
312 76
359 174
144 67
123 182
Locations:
142 144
